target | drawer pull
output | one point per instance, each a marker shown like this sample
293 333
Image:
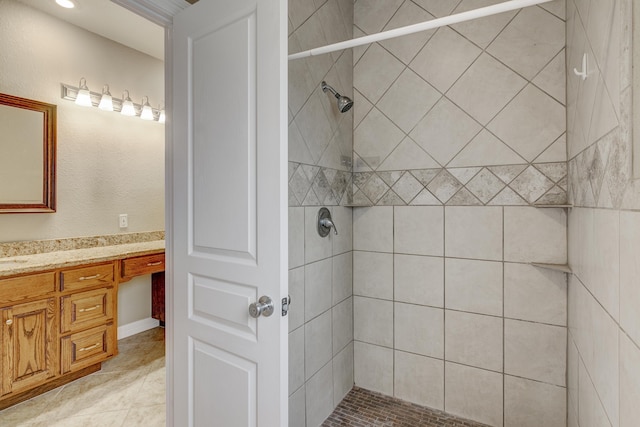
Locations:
82 310
9 322
91 347
151 264
89 277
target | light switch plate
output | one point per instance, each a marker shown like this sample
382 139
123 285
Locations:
124 220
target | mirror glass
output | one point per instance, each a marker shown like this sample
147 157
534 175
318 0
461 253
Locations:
27 155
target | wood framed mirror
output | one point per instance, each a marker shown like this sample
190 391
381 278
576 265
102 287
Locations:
27 155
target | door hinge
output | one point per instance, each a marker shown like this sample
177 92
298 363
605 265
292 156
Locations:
286 302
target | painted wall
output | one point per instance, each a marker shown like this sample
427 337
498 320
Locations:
604 225
320 275
457 134
107 164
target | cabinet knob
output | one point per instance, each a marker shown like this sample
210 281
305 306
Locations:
9 322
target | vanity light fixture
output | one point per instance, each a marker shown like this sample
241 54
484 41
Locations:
106 100
146 113
127 105
67 4
162 117
84 97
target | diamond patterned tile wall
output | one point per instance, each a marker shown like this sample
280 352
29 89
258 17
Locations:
478 107
318 186
543 183
320 137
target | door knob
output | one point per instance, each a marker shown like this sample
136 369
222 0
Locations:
264 307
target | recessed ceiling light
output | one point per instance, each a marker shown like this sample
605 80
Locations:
67 4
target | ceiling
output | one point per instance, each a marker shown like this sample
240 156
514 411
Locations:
111 21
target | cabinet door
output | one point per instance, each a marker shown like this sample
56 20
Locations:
30 345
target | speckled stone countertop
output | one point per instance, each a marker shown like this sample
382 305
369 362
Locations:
107 248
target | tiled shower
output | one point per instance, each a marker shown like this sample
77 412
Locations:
440 181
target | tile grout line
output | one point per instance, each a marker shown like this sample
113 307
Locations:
444 305
504 415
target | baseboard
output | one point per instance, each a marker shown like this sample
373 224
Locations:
136 327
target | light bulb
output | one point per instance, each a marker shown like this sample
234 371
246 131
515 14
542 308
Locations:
147 112
84 97
106 102
127 105
67 4
162 117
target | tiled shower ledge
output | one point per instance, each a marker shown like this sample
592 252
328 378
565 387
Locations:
556 267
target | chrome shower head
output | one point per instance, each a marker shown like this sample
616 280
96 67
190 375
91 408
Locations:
344 103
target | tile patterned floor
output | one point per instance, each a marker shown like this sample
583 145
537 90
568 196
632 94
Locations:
129 391
364 408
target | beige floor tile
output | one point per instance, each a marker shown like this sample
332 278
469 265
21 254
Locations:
128 391
23 413
105 419
148 416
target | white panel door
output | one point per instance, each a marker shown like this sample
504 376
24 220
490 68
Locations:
228 230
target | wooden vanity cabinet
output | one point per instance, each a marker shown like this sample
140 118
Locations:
87 313
148 264
60 325
28 332
55 327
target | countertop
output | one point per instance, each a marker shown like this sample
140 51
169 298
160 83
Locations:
22 264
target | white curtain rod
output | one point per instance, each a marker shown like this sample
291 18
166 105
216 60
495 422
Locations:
423 26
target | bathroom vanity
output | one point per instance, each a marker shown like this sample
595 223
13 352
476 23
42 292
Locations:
58 313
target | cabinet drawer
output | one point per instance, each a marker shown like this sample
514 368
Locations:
142 265
21 288
86 277
87 348
86 309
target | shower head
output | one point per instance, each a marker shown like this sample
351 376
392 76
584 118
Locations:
344 103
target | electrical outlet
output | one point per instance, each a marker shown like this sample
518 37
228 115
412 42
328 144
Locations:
124 220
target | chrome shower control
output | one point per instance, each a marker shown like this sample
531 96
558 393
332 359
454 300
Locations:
263 307
325 223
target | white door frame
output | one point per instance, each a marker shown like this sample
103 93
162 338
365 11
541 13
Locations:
161 12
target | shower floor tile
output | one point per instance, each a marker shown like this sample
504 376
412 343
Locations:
364 408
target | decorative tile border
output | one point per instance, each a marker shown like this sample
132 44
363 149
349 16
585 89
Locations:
544 183
45 246
318 186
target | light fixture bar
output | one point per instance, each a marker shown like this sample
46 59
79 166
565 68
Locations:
70 93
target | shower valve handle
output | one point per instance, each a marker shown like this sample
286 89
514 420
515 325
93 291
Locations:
327 223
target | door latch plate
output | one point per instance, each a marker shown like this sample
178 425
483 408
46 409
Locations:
285 305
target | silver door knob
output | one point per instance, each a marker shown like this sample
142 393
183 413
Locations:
264 307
